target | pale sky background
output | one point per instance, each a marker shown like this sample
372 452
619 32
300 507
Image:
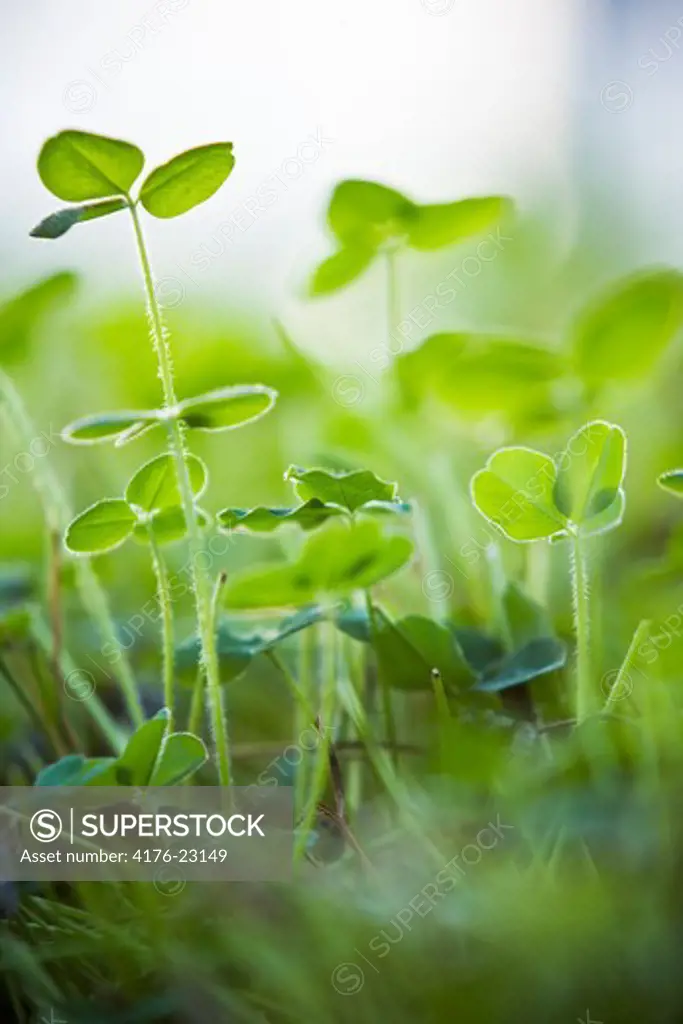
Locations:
440 98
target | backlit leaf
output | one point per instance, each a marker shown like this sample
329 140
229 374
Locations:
136 764
106 426
411 647
672 481
515 492
168 526
311 514
590 471
347 490
155 485
76 166
537 658
226 408
187 180
439 224
102 527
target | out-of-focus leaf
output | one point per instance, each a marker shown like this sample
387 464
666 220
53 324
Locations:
102 527
75 770
622 334
672 481
366 214
479 374
440 224
480 649
515 492
341 269
411 647
76 166
187 180
340 558
537 658
526 618
22 315
155 485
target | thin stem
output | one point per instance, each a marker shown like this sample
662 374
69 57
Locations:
200 573
328 702
579 572
387 705
58 515
164 596
622 685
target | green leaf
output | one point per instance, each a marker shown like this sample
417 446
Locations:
479 374
526 619
106 426
187 180
74 770
672 481
155 485
226 408
265 520
77 166
236 650
136 764
537 658
339 558
181 755
168 526
365 214
480 649
590 472
621 335
434 226
102 527
606 520
515 493
57 224
346 490
340 269
22 315
410 648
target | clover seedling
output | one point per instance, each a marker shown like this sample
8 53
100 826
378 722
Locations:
368 220
97 174
324 495
528 497
151 512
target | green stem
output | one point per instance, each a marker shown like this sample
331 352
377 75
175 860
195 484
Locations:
622 685
164 596
200 573
328 702
387 705
58 515
579 572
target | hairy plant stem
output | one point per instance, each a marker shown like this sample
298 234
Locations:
387 705
584 695
58 515
164 596
200 574
321 767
